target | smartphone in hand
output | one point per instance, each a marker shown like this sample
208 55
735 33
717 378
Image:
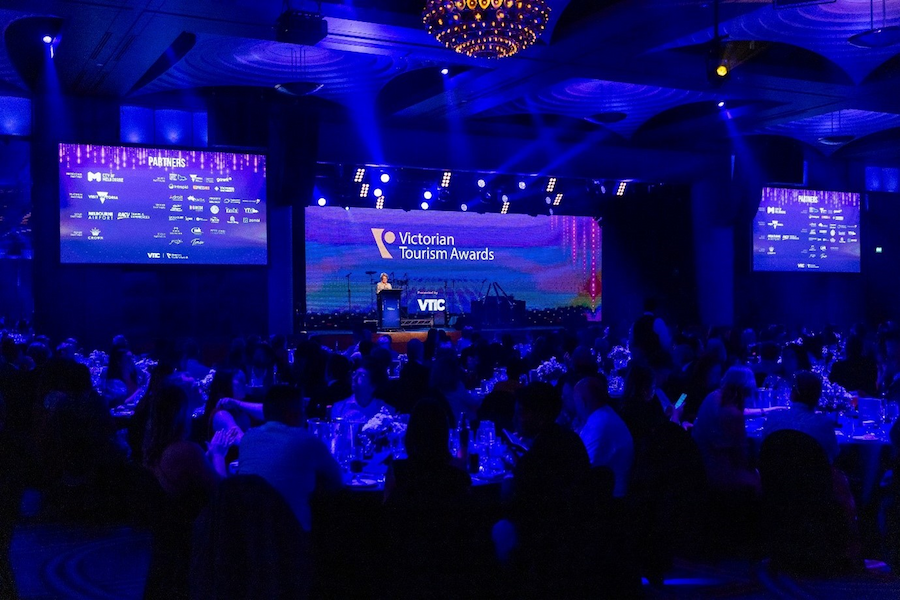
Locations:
515 442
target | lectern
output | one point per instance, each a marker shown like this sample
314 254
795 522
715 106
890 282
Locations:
389 309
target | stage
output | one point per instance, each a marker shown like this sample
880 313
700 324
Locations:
343 339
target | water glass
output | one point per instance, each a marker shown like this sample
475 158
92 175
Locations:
891 411
319 429
870 409
341 436
486 434
453 442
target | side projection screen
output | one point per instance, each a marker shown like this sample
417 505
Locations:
161 206
806 230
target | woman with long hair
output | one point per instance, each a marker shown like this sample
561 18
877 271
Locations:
720 433
187 476
226 383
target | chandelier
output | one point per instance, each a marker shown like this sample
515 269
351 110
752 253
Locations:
486 28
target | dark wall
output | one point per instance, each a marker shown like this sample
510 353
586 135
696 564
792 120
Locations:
648 253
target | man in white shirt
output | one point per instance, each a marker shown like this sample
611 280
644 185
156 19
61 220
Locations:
802 415
288 457
605 435
362 405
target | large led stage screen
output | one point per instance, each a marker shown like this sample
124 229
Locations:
806 230
161 206
451 257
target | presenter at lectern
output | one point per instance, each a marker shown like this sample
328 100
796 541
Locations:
384 284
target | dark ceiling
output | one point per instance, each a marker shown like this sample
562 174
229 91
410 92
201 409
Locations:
627 72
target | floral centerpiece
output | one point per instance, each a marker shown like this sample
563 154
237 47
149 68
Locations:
834 397
551 370
620 356
205 383
384 429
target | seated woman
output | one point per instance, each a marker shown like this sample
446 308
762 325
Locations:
225 408
428 472
433 534
446 380
719 431
121 380
187 476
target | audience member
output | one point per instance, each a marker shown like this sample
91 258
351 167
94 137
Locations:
222 416
802 415
362 404
283 453
721 435
446 381
187 477
605 435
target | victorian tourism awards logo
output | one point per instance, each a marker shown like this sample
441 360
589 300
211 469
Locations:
419 246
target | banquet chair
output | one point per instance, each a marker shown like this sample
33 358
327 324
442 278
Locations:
248 544
807 531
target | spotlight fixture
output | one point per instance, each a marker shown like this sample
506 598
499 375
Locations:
521 185
379 204
721 104
557 200
445 71
377 192
385 178
427 194
486 28
722 70
505 208
47 39
424 206
300 27
360 173
621 190
445 180
481 183
504 198
322 201
548 200
551 184
464 207
364 190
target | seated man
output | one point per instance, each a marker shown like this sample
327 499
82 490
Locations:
362 405
286 455
605 435
802 415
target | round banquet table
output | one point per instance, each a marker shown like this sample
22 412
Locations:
864 451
